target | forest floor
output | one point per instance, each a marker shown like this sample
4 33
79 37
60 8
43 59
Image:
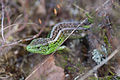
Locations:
24 20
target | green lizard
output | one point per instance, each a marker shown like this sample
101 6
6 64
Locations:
58 34
61 30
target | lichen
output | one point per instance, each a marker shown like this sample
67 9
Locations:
97 56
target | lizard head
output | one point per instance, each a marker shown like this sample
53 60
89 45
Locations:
44 46
39 45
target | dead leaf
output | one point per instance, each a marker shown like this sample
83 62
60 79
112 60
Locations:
47 71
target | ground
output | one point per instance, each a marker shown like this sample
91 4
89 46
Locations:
25 20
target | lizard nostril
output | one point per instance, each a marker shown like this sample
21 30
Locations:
28 47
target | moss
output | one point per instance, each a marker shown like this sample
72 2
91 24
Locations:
66 57
106 41
104 78
69 68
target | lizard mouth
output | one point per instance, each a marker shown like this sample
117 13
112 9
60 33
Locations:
34 50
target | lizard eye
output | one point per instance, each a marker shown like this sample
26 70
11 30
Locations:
38 48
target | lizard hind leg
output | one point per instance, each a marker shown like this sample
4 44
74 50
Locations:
64 49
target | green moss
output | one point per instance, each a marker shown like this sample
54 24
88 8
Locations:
64 60
78 65
90 19
69 68
105 78
106 40
66 57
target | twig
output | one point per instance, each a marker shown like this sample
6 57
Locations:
2 22
8 16
16 42
25 20
101 64
18 24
